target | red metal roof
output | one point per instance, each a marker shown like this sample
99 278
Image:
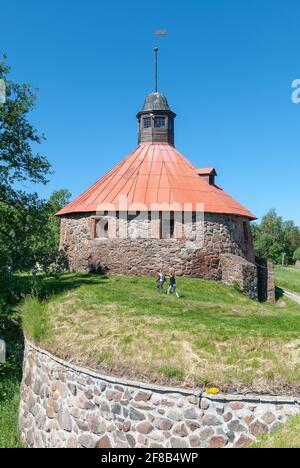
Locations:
154 173
206 171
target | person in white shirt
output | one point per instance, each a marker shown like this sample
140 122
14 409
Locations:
160 280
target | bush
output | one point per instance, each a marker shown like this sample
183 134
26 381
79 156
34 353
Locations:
296 255
34 319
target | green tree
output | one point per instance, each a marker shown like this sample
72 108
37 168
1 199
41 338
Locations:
292 234
21 214
273 237
19 211
29 231
45 246
296 256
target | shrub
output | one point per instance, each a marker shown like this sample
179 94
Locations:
34 319
296 255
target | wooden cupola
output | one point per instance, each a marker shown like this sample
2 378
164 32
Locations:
156 120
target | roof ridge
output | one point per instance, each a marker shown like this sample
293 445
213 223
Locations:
138 171
149 174
127 170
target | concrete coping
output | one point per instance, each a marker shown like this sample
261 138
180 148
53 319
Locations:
169 391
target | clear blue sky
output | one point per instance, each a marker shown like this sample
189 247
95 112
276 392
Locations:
226 67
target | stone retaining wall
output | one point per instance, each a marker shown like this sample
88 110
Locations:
63 405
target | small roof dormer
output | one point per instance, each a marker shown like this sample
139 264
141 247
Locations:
207 173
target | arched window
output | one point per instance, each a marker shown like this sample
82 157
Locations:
102 228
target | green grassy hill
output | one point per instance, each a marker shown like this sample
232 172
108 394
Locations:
288 277
212 336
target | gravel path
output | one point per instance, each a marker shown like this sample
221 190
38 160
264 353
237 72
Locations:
292 295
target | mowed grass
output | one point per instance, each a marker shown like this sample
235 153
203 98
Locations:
288 277
288 436
212 336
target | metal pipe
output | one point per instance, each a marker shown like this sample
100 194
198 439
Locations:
155 69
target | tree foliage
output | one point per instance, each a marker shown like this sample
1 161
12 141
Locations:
273 237
45 247
19 211
29 232
296 256
18 162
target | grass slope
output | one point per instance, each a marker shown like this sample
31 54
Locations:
288 277
213 335
288 436
9 432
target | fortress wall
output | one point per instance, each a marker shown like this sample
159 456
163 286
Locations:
63 405
220 234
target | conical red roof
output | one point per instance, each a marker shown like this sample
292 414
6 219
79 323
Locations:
155 173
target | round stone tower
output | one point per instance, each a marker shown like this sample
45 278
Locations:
155 210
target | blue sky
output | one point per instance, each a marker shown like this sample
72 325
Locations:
226 67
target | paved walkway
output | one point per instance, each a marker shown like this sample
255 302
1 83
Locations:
292 295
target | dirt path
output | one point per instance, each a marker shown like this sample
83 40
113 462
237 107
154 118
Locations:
292 295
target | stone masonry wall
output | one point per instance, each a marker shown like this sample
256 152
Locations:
238 270
266 280
63 405
134 255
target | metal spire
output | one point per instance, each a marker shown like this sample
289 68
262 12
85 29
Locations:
155 69
158 33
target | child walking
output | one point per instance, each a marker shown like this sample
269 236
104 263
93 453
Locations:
172 285
160 280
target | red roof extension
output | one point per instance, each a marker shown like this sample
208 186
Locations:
155 173
206 171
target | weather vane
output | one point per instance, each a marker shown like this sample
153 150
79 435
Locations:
157 33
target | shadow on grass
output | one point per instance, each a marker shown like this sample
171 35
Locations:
61 283
18 287
279 293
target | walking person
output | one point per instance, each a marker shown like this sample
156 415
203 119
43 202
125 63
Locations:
172 285
160 280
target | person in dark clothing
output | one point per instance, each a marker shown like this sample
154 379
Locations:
172 284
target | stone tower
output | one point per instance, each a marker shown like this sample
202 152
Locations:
155 209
